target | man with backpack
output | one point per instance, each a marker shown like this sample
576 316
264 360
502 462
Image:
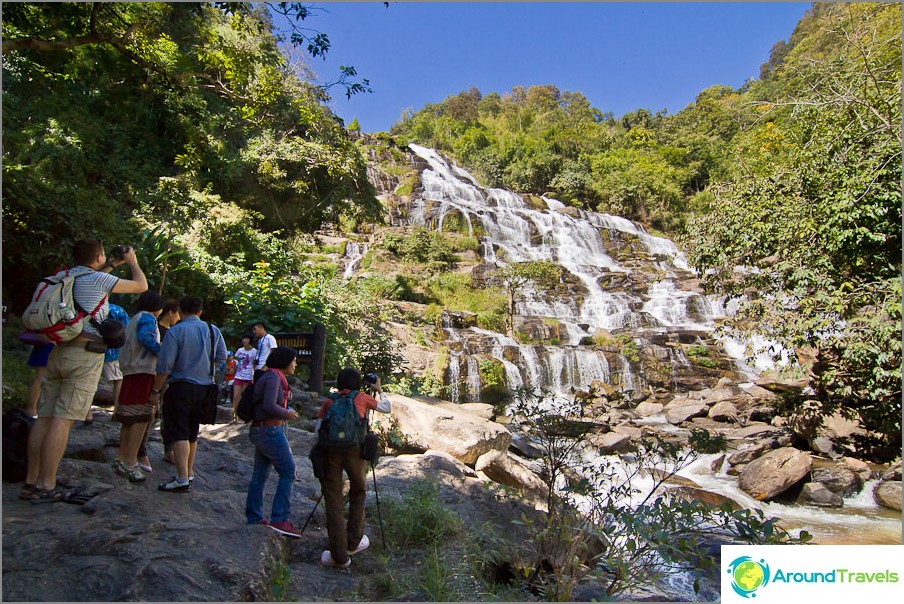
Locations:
74 366
340 436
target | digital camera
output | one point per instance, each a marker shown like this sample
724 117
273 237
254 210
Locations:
118 251
371 378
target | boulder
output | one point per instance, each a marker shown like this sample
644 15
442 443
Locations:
748 454
893 473
689 493
774 473
482 410
503 468
612 442
723 411
839 479
888 494
859 466
682 413
777 382
814 493
433 424
647 409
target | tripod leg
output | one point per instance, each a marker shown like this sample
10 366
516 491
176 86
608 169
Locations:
377 495
312 514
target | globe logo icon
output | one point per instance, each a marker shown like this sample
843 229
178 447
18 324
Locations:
748 575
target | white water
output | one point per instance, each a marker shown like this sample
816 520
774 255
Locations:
573 239
353 253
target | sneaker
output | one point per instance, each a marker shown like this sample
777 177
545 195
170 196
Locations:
326 559
362 545
171 486
285 528
134 473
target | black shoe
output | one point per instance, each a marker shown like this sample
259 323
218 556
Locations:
172 486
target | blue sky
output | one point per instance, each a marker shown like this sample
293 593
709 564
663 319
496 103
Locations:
621 56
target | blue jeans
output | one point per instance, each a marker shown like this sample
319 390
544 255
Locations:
271 447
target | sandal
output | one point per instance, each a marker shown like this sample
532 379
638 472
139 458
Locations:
28 491
53 495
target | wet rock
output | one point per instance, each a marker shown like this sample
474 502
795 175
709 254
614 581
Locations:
689 493
840 479
774 473
814 493
888 494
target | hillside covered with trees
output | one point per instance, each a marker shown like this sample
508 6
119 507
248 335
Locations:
193 132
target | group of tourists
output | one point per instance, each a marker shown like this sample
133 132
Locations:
166 364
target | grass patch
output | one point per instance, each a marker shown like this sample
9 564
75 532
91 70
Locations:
419 518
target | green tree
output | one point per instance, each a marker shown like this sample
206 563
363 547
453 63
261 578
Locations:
814 213
515 278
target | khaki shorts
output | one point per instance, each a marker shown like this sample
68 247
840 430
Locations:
70 382
111 371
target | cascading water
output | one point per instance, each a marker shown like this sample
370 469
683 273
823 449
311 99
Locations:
354 253
513 230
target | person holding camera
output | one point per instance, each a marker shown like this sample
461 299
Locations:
74 367
346 537
271 447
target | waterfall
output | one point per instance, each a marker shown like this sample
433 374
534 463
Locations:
354 253
620 278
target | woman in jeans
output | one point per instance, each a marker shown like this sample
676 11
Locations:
271 447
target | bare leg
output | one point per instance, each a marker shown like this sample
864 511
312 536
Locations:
182 451
128 451
52 449
35 440
192 448
34 392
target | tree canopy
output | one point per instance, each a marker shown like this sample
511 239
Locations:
125 117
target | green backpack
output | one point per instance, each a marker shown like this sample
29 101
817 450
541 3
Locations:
342 427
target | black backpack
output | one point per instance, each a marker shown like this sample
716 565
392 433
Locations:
247 405
17 426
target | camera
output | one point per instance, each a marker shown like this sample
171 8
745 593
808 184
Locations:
118 251
371 378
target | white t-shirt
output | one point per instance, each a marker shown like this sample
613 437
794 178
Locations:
244 363
264 346
89 290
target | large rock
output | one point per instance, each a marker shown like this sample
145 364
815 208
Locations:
435 424
775 472
678 413
724 411
501 467
815 493
646 409
888 494
612 442
840 479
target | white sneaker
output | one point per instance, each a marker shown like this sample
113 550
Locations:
362 545
326 559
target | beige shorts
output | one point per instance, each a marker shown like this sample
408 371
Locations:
111 371
70 382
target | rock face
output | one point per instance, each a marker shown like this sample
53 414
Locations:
775 472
